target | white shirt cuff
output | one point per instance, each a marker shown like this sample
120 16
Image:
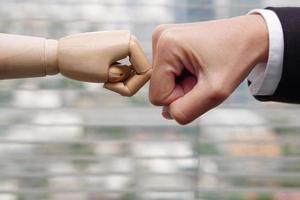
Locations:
265 77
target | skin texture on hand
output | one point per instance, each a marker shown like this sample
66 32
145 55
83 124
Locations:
196 66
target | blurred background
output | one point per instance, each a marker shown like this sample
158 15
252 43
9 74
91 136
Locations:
62 139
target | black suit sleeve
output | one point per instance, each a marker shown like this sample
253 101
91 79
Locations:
288 89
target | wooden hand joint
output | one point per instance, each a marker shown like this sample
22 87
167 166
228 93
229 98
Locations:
140 74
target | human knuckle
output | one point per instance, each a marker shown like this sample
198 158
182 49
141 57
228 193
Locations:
159 30
155 100
167 38
180 117
154 97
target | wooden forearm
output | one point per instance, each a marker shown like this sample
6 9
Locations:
24 56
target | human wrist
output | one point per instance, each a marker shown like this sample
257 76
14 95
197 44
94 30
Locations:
258 38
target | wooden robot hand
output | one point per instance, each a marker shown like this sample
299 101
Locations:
90 57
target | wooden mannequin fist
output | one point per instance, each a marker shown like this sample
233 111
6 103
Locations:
90 57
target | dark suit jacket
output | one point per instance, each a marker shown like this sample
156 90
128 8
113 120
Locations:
288 89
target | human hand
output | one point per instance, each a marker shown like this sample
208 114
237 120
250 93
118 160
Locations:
196 66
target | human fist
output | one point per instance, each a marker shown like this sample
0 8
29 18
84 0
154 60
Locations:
196 66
